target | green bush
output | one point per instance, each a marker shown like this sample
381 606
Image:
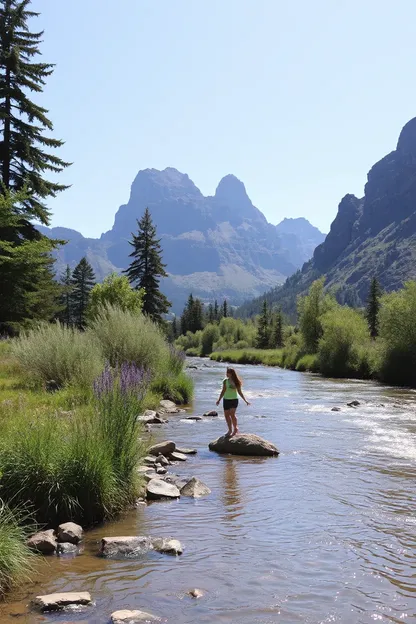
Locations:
126 336
210 335
308 362
178 389
345 332
55 351
116 291
311 309
397 363
15 556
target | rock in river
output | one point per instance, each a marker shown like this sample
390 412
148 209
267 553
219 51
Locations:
156 489
167 546
195 488
163 448
43 542
58 602
243 444
135 546
132 617
70 532
186 451
177 456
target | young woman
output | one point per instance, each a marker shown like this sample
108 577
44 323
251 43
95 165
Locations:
231 388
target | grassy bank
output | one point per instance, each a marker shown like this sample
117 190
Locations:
81 445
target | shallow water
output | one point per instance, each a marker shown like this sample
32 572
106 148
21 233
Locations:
326 532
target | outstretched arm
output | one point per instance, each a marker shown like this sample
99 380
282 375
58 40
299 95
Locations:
224 387
240 392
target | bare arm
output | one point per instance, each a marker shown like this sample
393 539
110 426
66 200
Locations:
240 392
224 387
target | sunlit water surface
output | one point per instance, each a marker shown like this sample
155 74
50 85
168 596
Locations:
326 532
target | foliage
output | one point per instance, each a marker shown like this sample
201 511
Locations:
25 124
125 336
192 316
311 308
264 328
83 280
373 307
344 332
60 353
147 268
210 335
308 362
116 291
397 364
15 556
66 314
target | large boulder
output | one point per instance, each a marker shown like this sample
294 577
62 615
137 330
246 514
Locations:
195 489
70 532
165 404
163 448
43 542
126 616
243 444
157 489
167 545
58 602
125 546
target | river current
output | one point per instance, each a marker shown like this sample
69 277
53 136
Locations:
324 533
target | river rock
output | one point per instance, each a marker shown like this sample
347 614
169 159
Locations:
152 419
149 460
186 451
161 470
174 479
43 542
177 457
148 476
58 602
70 532
66 548
167 404
162 460
132 617
336 409
163 448
158 488
196 593
193 418
125 546
195 488
167 546
243 444
353 404
212 414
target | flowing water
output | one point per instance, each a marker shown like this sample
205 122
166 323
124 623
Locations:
326 532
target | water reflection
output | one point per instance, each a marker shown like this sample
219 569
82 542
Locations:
231 493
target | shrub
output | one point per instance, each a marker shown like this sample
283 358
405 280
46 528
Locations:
116 291
308 362
55 351
126 336
397 363
178 389
15 556
311 308
345 331
210 335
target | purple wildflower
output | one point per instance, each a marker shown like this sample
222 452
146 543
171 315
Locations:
104 382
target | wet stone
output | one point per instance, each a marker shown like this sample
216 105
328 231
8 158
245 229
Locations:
125 616
60 601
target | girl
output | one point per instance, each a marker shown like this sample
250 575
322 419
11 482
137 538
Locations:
231 388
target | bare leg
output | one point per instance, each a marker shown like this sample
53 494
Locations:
229 422
234 421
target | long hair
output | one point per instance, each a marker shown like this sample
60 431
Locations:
235 379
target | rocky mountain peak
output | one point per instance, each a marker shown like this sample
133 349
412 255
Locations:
407 139
232 193
155 185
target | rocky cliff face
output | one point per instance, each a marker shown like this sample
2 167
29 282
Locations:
216 247
372 236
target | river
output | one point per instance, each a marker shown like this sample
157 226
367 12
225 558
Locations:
324 533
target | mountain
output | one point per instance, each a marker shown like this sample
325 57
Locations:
371 236
216 247
300 238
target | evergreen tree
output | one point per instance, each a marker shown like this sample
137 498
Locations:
147 268
216 312
225 309
83 281
66 313
24 146
192 318
277 333
210 313
186 315
174 328
373 307
263 329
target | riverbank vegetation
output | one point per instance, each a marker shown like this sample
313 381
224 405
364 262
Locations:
378 342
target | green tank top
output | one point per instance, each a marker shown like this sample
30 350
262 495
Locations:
230 391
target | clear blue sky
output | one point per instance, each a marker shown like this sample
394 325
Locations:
298 99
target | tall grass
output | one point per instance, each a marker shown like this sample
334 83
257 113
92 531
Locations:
15 556
60 353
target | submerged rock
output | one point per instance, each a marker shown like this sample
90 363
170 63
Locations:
336 409
70 532
212 414
353 404
58 602
135 546
167 546
163 448
66 548
132 617
177 456
158 488
195 488
243 444
186 451
43 542
196 593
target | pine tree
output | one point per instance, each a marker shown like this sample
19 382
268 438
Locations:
373 307
82 280
263 330
277 333
216 312
210 313
225 309
65 315
24 146
174 328
186 315
147 268
197 316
